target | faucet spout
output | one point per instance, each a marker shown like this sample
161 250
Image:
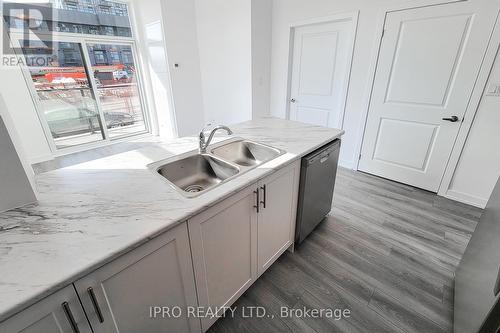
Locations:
204 142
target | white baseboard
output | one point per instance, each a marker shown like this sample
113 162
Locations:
466 198
347 164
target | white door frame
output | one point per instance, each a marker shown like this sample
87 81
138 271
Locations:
473 101
353 16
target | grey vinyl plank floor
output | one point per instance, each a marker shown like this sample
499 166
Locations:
387 252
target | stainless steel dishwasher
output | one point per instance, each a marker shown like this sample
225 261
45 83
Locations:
317 181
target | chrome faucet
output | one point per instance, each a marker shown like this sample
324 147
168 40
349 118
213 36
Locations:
204 142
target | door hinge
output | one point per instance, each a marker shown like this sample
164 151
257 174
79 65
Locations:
383 33
359 157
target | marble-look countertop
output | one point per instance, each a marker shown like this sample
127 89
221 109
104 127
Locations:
90 213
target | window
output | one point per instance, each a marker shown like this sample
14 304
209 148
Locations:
104 9
100 57
91 29
127 57
64 93
123 32
71 6
118 91
114 57
86 88
107 31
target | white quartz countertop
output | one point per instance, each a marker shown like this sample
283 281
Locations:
90 213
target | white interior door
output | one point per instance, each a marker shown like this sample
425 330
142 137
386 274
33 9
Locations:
321 66
429 59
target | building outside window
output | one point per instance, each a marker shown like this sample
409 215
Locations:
114 56
83 77
100 57
127 57
108 31
88 11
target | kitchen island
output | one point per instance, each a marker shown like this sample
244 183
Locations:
91 213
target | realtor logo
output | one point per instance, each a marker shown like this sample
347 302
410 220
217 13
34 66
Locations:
24 26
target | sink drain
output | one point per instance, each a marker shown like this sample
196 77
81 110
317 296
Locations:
194 188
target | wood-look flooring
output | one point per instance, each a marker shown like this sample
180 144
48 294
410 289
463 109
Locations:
387 252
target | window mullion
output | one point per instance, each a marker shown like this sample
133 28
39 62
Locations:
88 65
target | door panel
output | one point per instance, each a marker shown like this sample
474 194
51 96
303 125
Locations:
159 273
276 220
429 59
420 75
418 140
224 246
236 234
48 315
312 115
317 63
320 71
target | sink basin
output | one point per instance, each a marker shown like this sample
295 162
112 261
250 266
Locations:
197 173
193 173
246 153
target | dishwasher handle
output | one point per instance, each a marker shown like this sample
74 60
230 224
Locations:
323 154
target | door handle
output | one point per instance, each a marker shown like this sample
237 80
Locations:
453 119
96 306
293 100
69 315
263 202
257 206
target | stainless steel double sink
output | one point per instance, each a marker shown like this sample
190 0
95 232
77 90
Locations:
192 174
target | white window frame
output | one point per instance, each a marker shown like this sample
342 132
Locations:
16 35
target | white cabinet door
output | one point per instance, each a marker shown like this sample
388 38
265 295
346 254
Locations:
60 312
223 243
429 60
277 213
158 273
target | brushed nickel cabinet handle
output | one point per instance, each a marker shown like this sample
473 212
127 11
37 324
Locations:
263 202
257 205
97 308
70 317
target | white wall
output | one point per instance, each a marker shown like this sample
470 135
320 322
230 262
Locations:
479 165
20 107
15 174
19 110
286 12
261 56
224 32
182 48
151 39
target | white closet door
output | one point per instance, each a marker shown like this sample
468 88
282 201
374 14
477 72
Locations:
428 62
322 56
